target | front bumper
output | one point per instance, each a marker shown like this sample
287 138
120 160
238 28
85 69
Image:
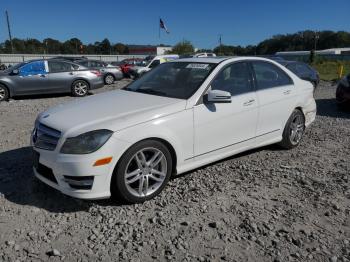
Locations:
343 95
97 83
310 112
76 175
118 75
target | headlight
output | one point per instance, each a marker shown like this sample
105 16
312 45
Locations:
86 143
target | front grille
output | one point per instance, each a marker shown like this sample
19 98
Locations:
46 172
45 137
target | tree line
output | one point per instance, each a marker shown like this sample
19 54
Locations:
53 46
304 40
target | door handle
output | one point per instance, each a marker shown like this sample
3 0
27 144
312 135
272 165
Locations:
42 75
287 92
249 102
71 73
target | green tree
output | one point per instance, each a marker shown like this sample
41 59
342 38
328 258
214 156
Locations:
52 46
71 46
105 47
120 48
183 48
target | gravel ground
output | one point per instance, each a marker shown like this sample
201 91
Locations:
264 205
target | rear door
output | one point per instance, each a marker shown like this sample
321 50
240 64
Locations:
61 76
31 79
275 92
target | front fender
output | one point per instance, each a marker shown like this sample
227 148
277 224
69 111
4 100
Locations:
176 129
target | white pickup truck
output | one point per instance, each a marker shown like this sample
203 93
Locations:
149 63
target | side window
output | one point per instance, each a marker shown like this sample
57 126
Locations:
235 79
58 66
33 68
268 75
84 63
154 63
95 64
303 69
99 64
292 67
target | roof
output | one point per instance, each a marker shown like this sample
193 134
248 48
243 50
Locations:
219 59
212 60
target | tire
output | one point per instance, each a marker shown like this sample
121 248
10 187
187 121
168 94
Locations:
80 88
109 79
294 130
4 93
130 176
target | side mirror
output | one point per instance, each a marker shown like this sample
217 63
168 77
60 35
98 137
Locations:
218 96
15 71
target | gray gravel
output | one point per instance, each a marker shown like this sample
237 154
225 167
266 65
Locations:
264 205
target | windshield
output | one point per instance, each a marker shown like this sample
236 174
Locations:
16 66
176 79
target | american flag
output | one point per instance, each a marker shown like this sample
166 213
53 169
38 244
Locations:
162 25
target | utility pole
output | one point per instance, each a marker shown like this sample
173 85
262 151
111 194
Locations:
220 42
9 30
316 38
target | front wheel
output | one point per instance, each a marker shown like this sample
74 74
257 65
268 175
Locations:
4 94
109 79
80 88
294 130
142 172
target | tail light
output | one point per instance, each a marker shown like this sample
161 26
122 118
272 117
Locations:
96 72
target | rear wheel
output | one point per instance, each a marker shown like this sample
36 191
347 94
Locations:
109 79
142 172
4 93
294 130
80 88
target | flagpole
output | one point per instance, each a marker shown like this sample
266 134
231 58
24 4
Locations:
159 30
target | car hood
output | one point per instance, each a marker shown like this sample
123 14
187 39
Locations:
115 110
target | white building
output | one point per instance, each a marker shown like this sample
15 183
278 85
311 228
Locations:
332 51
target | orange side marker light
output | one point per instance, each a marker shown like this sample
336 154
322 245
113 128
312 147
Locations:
103 161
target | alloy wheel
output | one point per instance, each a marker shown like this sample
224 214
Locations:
296 129
109 79
80 88
2 93
146 172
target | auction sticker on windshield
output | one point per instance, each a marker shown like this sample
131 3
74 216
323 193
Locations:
197 66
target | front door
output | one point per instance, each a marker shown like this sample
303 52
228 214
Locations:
31 78
227 126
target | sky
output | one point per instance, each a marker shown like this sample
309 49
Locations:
240 22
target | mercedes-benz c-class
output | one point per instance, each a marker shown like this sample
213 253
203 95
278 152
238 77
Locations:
178 117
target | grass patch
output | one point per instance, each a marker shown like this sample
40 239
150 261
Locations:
328 70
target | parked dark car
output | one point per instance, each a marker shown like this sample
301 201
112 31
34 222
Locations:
48 76
303 70
110 73
343 93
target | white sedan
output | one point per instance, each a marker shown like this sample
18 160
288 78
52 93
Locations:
180 116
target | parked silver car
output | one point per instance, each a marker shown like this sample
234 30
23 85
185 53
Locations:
48 76
110 73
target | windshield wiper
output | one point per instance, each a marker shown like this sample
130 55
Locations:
151 92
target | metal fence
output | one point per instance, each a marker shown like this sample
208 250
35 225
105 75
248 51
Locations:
11 59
